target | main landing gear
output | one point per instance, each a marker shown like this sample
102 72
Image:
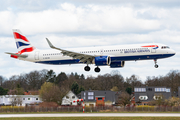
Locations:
87 68
97 69
156 65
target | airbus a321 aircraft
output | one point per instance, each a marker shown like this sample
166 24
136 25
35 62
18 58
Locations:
112 56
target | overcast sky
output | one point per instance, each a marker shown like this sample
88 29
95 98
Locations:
81 23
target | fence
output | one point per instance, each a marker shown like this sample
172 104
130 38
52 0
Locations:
89 109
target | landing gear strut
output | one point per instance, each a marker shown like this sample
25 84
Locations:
87 68
156 65
97 69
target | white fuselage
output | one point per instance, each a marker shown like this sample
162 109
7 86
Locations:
117 53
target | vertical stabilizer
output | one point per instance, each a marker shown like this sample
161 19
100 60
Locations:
22 43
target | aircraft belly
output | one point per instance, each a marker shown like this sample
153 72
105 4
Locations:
140 57
60 61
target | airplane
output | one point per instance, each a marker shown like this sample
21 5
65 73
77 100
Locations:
112 56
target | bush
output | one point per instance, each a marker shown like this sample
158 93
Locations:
145 108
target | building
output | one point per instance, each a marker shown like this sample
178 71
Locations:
31 93
132 100
98 98
19 100
143 95
69 98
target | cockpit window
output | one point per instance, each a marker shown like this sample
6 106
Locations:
165 47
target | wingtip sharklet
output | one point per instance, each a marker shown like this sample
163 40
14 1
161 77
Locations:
50 44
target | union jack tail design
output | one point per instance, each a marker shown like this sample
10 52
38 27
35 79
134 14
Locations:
22 43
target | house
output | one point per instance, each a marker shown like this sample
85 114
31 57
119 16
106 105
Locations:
69 98
31 93
143 95
98 98
133 100
20 100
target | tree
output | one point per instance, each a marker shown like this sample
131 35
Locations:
16 100
61 77
133 81
20 90
13 101
159 99
3 91
50 92
129 90
124 98
51 76
82 77
76 76
81 89
12 92
173 101
17 91
115 88
2 79
75 88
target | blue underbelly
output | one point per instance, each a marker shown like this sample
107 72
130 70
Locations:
118 58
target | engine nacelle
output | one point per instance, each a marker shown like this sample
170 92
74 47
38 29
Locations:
117 64
101 60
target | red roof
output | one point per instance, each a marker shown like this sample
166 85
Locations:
31 93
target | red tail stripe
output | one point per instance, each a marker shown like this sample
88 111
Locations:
18 36
150 46
26 50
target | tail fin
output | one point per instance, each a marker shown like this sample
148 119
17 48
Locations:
22 43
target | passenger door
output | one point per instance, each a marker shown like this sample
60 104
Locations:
36 55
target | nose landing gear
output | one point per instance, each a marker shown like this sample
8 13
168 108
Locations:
156 65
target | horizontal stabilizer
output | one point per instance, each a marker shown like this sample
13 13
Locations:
23 56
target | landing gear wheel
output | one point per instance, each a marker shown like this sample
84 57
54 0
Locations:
87 68
155 61
97 69
156 66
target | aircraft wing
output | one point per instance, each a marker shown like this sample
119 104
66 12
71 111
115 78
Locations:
82 57
19 55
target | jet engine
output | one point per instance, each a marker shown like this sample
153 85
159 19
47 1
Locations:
117 64
101 60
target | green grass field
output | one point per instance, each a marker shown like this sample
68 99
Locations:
96 118
82 112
